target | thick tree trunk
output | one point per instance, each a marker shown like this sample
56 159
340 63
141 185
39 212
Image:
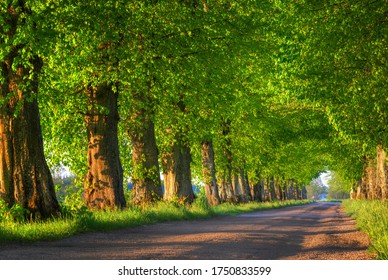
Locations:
146 175
209 173
362 189
304 193
290 189
240 188
287 190
370 189
277 187
297 190
226 191
268 190
177 173
104 180
366 188
300 195
237 189
25 178
243 179
256 189
271 185
284 191
227 184
381 173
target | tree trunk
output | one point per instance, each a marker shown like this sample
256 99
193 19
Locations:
381 180
256 189
284 191
304 193
146 175
25 178
291 189
298 194
177 173
276 187
370 188
238 195
268 190
288 187
226 191
240 188
243 180
361 188
209 173
104 180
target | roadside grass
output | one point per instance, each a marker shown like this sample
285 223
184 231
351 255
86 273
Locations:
229 209
133 216
372 218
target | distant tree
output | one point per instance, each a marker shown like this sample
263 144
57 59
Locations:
316 189
338 187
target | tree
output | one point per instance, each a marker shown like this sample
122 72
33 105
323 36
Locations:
83 70
316 189
209 173
342 67
338 187
24 175
146 174
104 179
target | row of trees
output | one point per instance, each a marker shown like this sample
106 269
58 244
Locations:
346 62
246 95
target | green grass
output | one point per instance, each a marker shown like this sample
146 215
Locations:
132 217
372 218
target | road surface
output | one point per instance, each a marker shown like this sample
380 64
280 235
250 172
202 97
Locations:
314 231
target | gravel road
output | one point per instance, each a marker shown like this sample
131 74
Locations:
315 231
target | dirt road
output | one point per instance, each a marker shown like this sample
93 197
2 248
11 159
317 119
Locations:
314 231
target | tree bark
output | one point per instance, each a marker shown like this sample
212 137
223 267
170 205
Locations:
240 188
236 188
177 173
243 178
361 192
226 191
297 190
366 188
104 179
146 175
287 187
271 185
209 173
25 178
381 173
370 189
256 188
284 191
277 188
304 193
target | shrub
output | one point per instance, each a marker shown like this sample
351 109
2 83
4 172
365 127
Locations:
15 213
72 202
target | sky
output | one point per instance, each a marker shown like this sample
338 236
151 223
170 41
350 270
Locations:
325 177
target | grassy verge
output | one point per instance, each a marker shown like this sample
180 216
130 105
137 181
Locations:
372 218
133 216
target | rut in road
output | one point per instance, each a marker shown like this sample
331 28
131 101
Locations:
314 231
